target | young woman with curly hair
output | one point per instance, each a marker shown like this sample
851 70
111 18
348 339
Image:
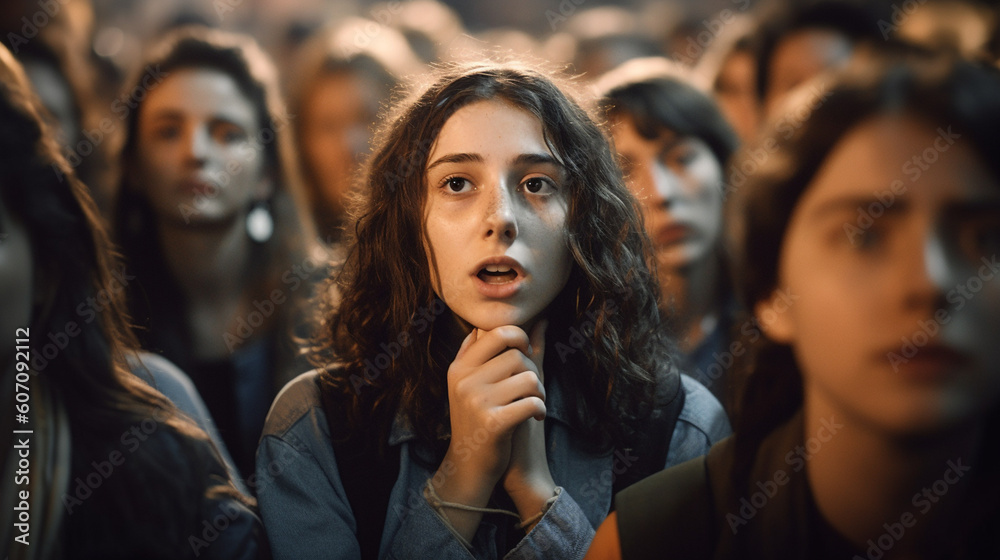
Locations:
494 353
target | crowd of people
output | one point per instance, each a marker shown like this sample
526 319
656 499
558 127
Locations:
385 287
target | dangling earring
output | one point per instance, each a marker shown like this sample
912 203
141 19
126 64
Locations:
260 224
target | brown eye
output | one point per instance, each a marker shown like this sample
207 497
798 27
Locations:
455 185
538 185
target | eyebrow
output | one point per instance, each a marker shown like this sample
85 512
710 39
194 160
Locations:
523 159
853 203
178 115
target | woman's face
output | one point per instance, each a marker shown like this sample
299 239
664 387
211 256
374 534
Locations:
495 216
889 280
800 56
199 158
736 93
678 181
337 115
16 270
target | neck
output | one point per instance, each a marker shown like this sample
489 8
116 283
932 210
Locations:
691 294
868 484
208 261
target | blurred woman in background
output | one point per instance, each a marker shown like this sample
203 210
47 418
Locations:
866 249
210 221
113 470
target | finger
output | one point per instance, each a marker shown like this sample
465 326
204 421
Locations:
491 343
519 386
510 362
522 409
469 339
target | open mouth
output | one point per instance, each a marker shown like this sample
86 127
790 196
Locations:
497 274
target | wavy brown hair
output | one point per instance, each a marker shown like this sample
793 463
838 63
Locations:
385 289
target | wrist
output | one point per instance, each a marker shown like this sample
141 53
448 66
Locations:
529 520
464 486
531 494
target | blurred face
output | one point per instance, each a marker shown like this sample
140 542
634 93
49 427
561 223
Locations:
495 221
16 267
198 158
337 115
736 94
678 180
800 56
894 320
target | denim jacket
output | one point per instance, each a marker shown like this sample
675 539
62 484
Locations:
307 515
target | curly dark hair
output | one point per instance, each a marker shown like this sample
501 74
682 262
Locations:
385 282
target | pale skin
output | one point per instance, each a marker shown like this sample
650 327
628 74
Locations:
491 194
200 170
678 181
859 296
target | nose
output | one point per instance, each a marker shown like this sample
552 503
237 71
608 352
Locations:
932 273
199 144
667 186
501 219
944 260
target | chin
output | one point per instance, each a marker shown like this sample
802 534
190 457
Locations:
489 318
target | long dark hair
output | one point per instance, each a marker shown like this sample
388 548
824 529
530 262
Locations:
152 501
933 88
385 289
242 60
